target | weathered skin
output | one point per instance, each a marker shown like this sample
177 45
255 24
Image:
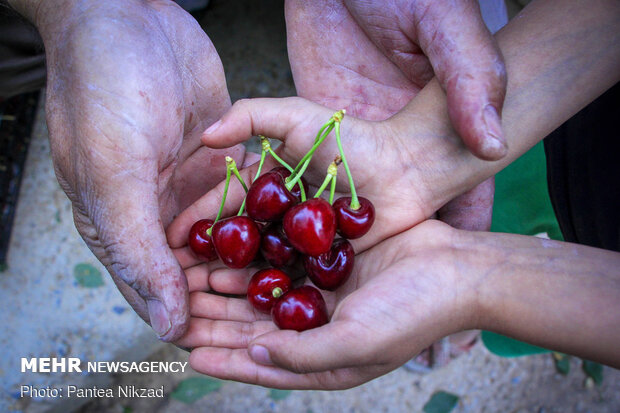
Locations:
131 86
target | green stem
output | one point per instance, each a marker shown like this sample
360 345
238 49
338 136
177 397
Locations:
280 160
355 203
263 155
219 213
233 166
267 149
332 171
326 181
303 163
332 191
296 176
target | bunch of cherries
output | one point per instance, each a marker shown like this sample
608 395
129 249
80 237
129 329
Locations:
283 224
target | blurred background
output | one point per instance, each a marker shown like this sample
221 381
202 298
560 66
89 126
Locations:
58 301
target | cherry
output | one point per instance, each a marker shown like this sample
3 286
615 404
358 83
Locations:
311 226
285 173
236 241
200 242
330 270
266 287
354 223
268 199
300 309
276 248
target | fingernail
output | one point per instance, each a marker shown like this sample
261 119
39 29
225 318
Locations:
158 315
260 355
213 127
495 144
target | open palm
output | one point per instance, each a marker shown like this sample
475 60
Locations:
402 295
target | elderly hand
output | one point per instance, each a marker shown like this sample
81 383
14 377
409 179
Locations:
131 86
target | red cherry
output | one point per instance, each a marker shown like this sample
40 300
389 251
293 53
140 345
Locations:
311 226
330 270
285 173
354 223
266 287
200 242
236 241
276 248
300 309
268 199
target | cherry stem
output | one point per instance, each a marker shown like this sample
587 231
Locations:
332 191
326 182
277 292
230 163
296 176
318 137
219 213
355 203
332 171
267 148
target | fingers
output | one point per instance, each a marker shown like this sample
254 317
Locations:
471 211
224 308
274 118
236 364
470 67
127 236
227 334
305 352
224 280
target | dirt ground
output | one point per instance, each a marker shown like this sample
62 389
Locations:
250 37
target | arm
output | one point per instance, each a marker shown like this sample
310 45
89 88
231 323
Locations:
560 55
557 295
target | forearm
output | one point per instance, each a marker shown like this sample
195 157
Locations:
560 55
554 294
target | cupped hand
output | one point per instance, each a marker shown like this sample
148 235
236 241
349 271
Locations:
404 294
338 64
131 86
448 40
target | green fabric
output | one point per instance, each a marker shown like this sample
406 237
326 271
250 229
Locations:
522 206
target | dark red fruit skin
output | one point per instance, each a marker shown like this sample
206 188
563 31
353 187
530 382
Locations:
268 199
330 270
311 226
300 309
199 242
276 248
262 284
285 173
354 223
236 241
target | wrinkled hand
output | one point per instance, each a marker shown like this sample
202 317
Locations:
336 64
404 294
449 40
131 86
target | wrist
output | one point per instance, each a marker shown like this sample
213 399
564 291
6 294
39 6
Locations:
473 261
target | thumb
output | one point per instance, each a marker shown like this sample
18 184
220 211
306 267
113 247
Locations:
338 344
125 232
272 117
470 68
